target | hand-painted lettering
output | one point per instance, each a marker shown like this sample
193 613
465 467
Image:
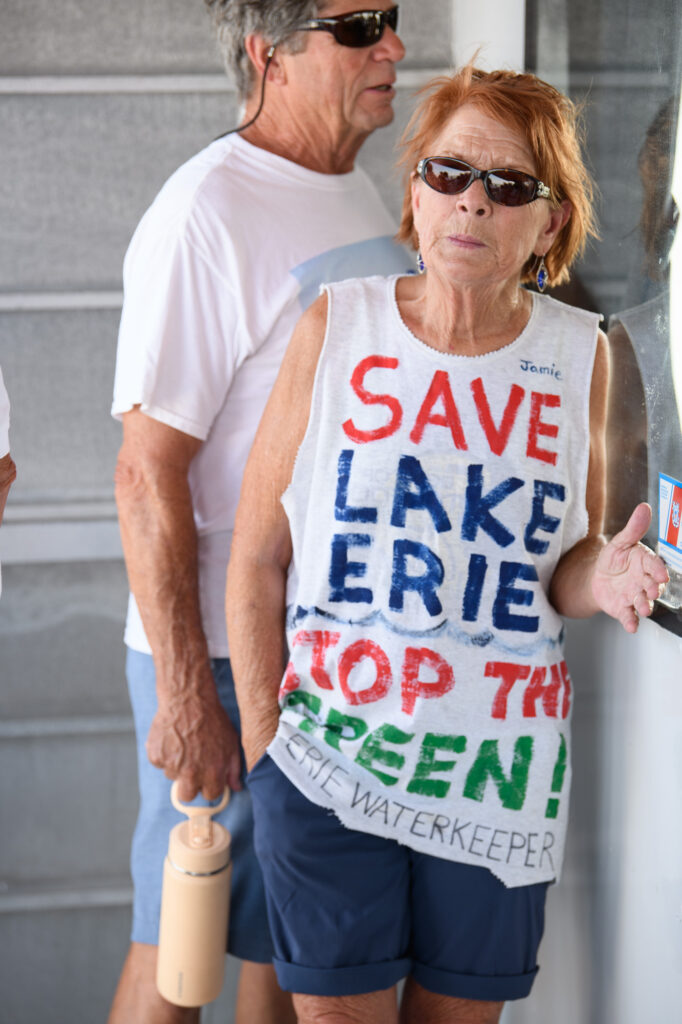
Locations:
426 584
538 690
365 651
508 594
498 437
372 750
413 490
511 789
439 391
413 687
341 567
310 705
471 604
343 512
342 727
369 398
320 640
541 520
509 673
537 427
566 704
478 506
421 782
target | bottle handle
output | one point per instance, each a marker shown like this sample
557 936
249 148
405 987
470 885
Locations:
191 810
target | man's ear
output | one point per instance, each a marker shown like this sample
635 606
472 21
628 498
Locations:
258 50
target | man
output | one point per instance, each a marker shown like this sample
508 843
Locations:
220 268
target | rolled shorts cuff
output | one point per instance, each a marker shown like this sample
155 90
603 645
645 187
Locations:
492 987
340 981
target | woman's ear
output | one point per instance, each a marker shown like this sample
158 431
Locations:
415 191
558 216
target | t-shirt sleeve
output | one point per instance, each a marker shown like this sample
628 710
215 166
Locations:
4 418
178 339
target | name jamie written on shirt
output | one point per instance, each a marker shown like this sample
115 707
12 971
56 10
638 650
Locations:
528 366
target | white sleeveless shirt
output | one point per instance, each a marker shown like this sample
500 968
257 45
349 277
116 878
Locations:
427 699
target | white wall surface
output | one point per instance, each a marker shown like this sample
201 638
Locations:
612 952
498 27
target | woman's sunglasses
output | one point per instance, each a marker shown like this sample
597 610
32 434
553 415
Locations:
359 28
503 185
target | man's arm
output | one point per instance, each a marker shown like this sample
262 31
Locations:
8 471
620 576
191 737
8 474
261 546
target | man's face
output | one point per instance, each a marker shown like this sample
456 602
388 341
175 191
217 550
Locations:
348 90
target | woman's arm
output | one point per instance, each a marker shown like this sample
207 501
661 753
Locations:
621 577
261 546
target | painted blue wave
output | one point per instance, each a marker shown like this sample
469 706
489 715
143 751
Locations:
297 617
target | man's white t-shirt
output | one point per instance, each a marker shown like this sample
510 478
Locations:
233 249
4 418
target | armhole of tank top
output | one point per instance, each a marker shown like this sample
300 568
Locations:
585 468
313 398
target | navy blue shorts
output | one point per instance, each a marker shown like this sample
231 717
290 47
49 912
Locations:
249 935
353 913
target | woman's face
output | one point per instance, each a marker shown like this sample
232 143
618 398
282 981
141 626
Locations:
467 237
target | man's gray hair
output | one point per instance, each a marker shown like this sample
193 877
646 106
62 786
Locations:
275 20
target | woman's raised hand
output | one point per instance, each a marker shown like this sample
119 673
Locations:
628 576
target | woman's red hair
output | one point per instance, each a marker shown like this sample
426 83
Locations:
548 121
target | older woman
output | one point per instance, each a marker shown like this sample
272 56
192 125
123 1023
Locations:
425 498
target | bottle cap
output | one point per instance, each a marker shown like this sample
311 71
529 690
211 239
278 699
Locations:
199 846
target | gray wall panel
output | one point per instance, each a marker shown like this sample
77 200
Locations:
42 37
79 171
628 35
615 117
425 27
60 966
61 640
158 36
69 450
77 792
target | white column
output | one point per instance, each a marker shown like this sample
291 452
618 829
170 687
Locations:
498 27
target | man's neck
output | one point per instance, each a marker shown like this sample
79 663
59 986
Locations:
318 148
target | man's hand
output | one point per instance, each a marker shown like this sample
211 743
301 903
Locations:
192 740
628 576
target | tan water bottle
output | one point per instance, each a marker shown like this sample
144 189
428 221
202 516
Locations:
194 907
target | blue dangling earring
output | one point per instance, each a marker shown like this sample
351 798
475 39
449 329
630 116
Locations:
541 276
421 266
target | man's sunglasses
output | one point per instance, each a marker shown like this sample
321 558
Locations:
359 28
503 185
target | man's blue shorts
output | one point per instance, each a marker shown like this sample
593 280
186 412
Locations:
353 913
249 935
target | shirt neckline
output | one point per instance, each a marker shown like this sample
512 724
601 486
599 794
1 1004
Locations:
256 156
